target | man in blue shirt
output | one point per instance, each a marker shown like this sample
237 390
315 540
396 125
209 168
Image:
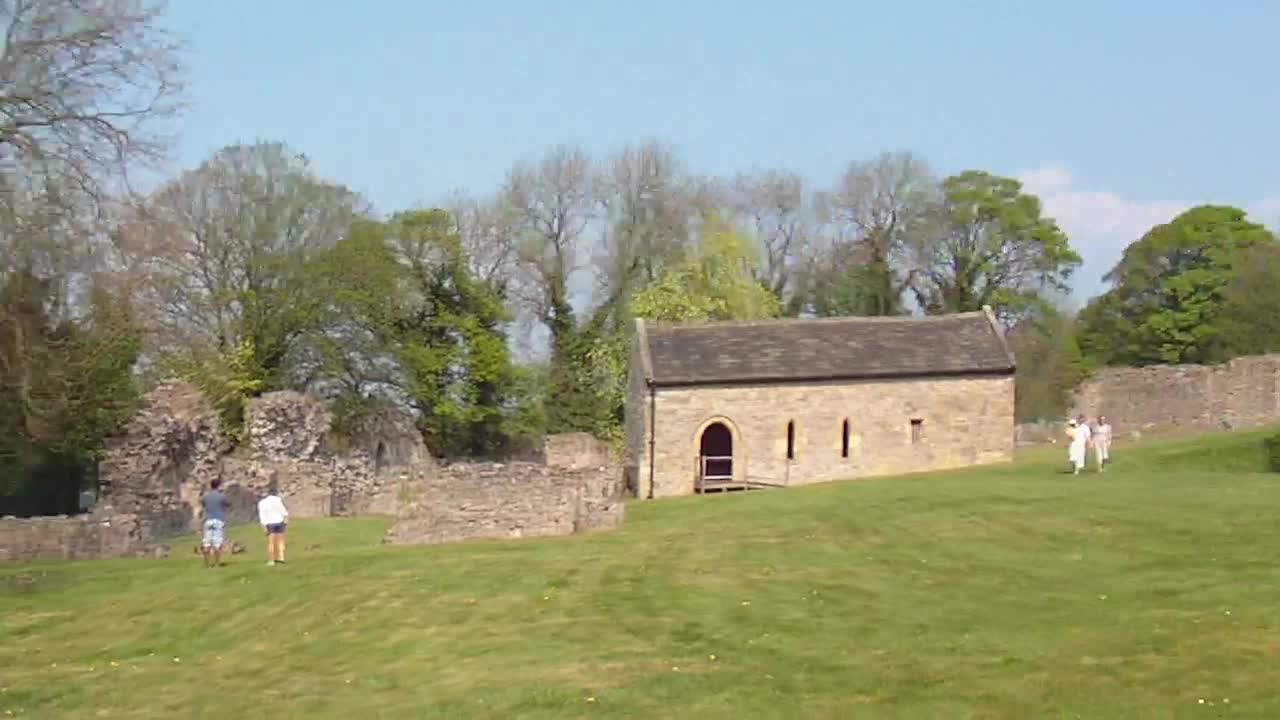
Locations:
213 508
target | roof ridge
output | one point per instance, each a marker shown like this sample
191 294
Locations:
843 319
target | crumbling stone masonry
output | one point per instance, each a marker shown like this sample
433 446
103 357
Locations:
1244 392
576 450
287 444
71 538
154 473
511 500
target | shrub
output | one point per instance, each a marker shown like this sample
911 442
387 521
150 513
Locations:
1272 445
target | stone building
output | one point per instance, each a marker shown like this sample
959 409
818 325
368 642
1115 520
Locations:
731 405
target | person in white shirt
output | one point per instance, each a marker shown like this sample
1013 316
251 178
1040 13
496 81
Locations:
1079 434
1102 443
273 516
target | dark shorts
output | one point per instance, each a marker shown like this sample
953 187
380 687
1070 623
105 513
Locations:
275 529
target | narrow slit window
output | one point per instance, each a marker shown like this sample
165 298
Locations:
917 430
791 440
844 438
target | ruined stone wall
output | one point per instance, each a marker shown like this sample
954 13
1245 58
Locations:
966 421
575 450
1244 392
512 500
72 538
288 433
155 472
1041 433
154 469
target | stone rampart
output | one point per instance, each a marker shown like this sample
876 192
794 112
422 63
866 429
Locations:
512 500
575 451
1242 393
72 538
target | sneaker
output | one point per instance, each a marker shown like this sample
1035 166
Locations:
271 562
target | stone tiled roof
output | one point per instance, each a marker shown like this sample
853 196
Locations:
822 349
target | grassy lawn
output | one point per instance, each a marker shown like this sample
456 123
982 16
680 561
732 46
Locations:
1015 592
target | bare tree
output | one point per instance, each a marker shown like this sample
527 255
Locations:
489 231
872 214
647 210
773 202
84 84
83 88
223 246
552 200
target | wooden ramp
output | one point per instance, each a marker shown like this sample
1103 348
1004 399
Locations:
709 485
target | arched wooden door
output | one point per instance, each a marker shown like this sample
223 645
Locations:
715 456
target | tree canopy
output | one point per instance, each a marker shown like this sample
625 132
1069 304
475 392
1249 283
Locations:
1170 294
501 316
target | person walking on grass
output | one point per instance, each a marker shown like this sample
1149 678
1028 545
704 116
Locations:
1102 443
213 511
1076 452
273 516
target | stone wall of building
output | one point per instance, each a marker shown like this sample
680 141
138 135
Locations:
72 538
636 420
511 500
1244 392
964 421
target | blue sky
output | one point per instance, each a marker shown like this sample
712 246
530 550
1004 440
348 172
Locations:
1117 113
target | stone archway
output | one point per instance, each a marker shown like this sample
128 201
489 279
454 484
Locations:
719 452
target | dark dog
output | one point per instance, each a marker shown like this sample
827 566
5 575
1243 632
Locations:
236 548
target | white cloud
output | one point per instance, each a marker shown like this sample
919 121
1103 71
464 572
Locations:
1267 212
1094 214
1100 224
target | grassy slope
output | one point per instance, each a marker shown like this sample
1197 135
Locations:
1011 592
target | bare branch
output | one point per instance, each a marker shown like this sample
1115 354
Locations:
84 84
552 201
235 228
648 209
773 204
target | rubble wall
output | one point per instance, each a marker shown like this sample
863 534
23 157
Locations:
511 500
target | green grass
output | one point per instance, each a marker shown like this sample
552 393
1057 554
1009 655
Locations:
1014 592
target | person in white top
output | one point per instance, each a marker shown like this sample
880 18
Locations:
273 516
1102 443
1079 433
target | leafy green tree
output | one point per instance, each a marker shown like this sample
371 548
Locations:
65 386
1251 318
453 352
230 243
1169 296
1050 364
407 320
715 280
987 243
